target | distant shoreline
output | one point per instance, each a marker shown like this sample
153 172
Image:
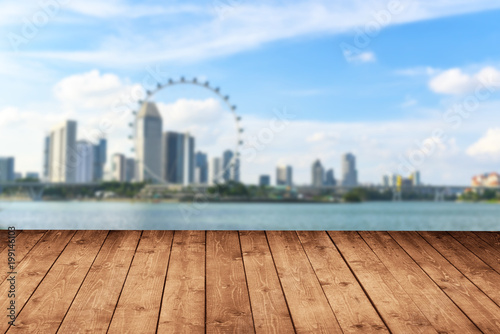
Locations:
211 201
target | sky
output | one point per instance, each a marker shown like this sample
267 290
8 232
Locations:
403 85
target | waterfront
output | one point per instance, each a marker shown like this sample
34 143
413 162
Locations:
429 216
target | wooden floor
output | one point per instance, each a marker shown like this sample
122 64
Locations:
253 282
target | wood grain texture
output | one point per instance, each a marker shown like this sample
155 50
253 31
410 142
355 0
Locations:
4 238
492 238
228 304
246 282
478 272
392 302
93 307
269 309
139 304
24 243
47 306
351 306
437 307
183 306
472 301
480 248
306 300
34 267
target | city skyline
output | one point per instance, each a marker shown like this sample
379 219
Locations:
405 95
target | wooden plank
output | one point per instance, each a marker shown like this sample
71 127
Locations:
307 303
139 304
478 272
23 244
93 306
33 269
437 307
392 302
4 238
49 303
480 248
492 238
269 309
472 301
351 306
183 306
228 304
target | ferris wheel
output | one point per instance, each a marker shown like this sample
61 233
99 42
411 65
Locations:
149 94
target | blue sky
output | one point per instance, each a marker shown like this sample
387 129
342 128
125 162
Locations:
381 102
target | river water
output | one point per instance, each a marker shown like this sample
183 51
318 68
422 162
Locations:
250 216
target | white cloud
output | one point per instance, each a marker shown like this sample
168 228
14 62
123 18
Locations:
117 8
417 71
91 90
409 102
455 82
204 35
363 57
487 146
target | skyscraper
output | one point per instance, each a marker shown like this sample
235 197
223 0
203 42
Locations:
201 168
415 178
317 174
129 169
118 167
148 143
235 170
349 172
63 153
264 180
84 161
188 159
32 175
330 178
46 149
284 176
178 160
6 169
99 158
215 171
227 157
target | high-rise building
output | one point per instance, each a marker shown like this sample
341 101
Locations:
148 143
118 167
227 157
84 161
129 169
178 159
188 159
284 176
18 175
99 160
201 173
415 178
349 172
385 181
63 153
46 149
6 169
32 175
264 180
215 171
330 178
235 170
317 174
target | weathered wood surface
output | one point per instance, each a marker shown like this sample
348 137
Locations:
253 282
